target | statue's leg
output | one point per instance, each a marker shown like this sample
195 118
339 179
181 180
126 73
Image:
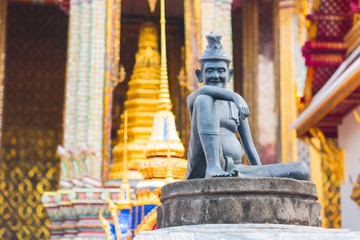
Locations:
208 123
296 170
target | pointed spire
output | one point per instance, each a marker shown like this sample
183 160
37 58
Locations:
164 96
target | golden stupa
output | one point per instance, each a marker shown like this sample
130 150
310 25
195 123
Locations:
165 150
141 105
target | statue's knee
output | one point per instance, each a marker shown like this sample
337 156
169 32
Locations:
204 101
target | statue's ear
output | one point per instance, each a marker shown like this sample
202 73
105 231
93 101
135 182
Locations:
199 75
231 74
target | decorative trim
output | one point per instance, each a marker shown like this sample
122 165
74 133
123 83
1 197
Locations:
148 223
44 2
324 59
96 79
325 46
355 195
352 38
190 49
308 85
111 9
117 35
3 15
357 117
326 17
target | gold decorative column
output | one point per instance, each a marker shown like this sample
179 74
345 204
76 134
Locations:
3 13
250 61
327 170
288 110
113 75
316 171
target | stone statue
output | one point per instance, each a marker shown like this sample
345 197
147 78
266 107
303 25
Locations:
216 116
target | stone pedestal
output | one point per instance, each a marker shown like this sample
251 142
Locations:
239 200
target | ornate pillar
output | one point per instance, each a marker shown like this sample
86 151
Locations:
84 103
3 13
83 87
96 81
250 61
71 77
288 111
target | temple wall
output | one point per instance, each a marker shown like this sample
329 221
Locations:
36 42
349 138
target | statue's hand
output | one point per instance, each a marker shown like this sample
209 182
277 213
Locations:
243 112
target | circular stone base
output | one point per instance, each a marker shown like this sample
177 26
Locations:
239 200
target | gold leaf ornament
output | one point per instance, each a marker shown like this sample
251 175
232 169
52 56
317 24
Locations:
25 211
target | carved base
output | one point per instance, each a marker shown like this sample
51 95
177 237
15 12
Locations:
239 200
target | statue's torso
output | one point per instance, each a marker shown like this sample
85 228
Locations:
228 116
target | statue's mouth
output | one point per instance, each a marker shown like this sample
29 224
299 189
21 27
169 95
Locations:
215 81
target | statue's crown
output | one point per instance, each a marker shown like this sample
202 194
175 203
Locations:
214 50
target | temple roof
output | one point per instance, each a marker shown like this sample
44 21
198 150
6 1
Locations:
332 85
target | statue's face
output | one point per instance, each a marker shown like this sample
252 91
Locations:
215 73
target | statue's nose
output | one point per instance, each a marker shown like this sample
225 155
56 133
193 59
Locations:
216 74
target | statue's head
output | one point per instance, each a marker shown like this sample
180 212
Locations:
214 64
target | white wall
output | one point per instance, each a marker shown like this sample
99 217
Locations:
349 141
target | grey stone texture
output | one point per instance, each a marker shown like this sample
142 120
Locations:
247 232
239 200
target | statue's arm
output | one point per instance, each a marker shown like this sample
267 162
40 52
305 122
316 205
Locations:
246 139
220 94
